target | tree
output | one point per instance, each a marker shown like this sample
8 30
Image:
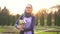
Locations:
0 15
36 19
57 19
14 18
6 18
49 21
42 19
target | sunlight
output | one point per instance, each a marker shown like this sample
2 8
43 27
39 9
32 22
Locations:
18 6
52 10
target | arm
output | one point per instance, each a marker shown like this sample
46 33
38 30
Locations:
16 23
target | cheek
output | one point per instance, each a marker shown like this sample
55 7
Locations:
28 10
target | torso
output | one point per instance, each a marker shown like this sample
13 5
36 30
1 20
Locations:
28 23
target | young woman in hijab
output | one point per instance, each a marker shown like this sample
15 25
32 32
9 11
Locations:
30 21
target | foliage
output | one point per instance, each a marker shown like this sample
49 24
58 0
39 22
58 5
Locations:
49 22
42 19
6 18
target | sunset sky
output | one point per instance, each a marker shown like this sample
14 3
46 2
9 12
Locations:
18 6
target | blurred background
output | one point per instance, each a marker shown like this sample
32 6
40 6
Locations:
47 14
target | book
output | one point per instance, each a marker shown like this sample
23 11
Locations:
20 22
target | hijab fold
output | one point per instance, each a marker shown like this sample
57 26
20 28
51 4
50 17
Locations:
27 14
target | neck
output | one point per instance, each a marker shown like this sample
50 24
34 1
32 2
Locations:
27 14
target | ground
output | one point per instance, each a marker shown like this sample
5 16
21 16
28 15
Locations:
38 30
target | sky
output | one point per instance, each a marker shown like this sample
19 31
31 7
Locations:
18 6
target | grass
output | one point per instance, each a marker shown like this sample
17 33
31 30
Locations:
12 28
47 33
39 32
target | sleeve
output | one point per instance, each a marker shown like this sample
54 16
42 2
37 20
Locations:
32 25
16 23
34 22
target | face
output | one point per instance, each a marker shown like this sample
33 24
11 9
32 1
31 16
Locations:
28 9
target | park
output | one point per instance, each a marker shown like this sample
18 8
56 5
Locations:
47 15
45 22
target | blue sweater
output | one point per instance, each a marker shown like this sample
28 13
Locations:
31 27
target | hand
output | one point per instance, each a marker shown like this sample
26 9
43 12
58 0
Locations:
20 28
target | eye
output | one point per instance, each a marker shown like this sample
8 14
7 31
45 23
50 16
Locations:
28 7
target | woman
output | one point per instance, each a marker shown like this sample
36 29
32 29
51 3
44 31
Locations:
30 21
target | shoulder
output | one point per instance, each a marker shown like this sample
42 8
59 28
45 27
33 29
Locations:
33 17
21 16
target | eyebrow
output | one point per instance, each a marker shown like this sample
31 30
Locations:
28 7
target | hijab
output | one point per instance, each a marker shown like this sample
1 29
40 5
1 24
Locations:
27 14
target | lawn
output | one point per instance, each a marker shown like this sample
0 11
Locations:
12 29
41 32
47 33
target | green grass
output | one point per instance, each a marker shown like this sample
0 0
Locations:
1 29
38 32
11 28
47 33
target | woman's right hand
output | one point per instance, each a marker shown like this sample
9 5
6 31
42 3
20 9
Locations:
20 28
